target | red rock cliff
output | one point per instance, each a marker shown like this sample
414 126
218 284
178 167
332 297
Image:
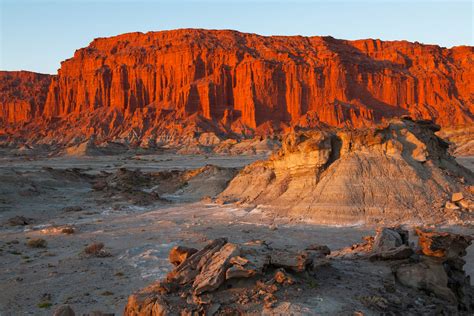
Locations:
22 95
247 80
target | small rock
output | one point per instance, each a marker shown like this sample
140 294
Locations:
19 221
67 230
466 204
96 250
457 196
281 277
64 310
206 199
451 206
470 188
72 209
269 300
323 249
99 185
37 243
238 271
93 248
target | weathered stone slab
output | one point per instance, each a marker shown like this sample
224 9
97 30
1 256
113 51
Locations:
213 272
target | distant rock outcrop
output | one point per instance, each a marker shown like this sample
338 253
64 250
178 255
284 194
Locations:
399 172
169 85
22 96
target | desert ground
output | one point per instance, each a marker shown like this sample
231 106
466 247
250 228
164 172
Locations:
64 192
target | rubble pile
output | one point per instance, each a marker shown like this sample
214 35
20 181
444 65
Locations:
225 276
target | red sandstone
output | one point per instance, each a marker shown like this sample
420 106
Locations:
241 81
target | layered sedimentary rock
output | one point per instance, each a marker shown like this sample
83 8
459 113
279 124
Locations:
398 172
225 277
22 95
137 85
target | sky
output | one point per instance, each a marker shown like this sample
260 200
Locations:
37 35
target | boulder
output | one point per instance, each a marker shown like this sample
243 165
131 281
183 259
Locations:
427 275
467 204
281 277
213 272
389 238
440 268
442 244
451 206
457 196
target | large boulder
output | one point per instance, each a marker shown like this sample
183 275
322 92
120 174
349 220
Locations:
428 275
440 268
389 238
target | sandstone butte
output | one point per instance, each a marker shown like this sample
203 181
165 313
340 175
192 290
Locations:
170 83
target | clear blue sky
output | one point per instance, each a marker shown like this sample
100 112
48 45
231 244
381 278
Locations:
37 35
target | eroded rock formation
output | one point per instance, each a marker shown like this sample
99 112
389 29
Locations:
398 172
439 269
255 278
163 85
22 96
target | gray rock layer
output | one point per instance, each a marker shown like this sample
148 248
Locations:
400 172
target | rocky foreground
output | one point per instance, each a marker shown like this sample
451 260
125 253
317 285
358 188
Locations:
88 231
255 278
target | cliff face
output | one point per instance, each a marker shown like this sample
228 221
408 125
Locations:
263 83
22 95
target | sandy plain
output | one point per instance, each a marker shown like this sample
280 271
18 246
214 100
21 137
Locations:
53 193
